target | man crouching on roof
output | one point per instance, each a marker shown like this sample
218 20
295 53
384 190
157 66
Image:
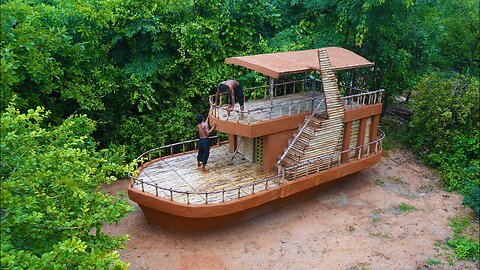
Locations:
234 93
203 142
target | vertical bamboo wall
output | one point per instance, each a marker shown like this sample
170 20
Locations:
246 147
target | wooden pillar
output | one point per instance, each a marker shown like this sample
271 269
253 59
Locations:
374 131
347 132
362 128
271 90
352 79
233 72
304 81
232 142
314 86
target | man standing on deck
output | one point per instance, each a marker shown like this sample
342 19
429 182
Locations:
203 142
234 94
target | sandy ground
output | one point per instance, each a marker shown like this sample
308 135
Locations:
356 224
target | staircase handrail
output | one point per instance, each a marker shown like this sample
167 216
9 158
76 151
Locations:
300 132
336 155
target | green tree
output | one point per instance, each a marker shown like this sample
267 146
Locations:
52 209
173 55
459 37
53 54
446 130
151 63
397 35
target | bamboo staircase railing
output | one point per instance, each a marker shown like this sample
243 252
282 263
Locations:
319 136
301 136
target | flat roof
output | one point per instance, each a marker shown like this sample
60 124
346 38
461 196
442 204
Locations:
281 63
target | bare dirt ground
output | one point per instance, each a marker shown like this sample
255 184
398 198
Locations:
356 224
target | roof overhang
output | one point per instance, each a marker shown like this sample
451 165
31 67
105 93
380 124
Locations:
281 63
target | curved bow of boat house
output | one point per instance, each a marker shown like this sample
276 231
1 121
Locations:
294 137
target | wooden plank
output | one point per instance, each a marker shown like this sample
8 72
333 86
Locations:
181 173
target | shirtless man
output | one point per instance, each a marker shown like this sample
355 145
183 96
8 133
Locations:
234 93
203 142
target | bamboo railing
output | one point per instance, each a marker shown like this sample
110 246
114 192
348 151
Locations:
224 195
282 109
298 134
318 164
263 93
169 150
362 99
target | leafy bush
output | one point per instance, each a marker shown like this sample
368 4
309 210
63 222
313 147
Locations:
465 247
396 131
52 209
445 128
472 197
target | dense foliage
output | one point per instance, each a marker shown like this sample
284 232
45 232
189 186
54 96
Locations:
141 70
52 208
446 129
465 239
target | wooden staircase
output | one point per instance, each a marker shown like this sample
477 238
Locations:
322 133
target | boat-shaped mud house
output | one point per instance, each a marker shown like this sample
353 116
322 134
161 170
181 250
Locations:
292 138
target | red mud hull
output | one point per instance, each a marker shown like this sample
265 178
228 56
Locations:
204 217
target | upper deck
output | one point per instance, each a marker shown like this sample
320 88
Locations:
289 100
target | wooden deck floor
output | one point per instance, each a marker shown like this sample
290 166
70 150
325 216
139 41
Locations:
277 111
181 173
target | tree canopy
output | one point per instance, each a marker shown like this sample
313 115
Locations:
52 208
129 76
132 65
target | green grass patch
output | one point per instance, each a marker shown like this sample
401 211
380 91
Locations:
433 262
404 207
464 242
458 224
378 182
465 248
397 181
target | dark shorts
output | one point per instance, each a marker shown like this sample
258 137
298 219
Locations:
203 150
238 92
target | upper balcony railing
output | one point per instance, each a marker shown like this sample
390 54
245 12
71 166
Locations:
280 89
265 110
360 97
305 101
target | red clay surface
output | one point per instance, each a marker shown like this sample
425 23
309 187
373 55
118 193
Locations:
356 224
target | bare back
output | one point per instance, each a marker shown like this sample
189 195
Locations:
202 130
231 84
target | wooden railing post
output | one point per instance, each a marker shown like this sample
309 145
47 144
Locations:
347 132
